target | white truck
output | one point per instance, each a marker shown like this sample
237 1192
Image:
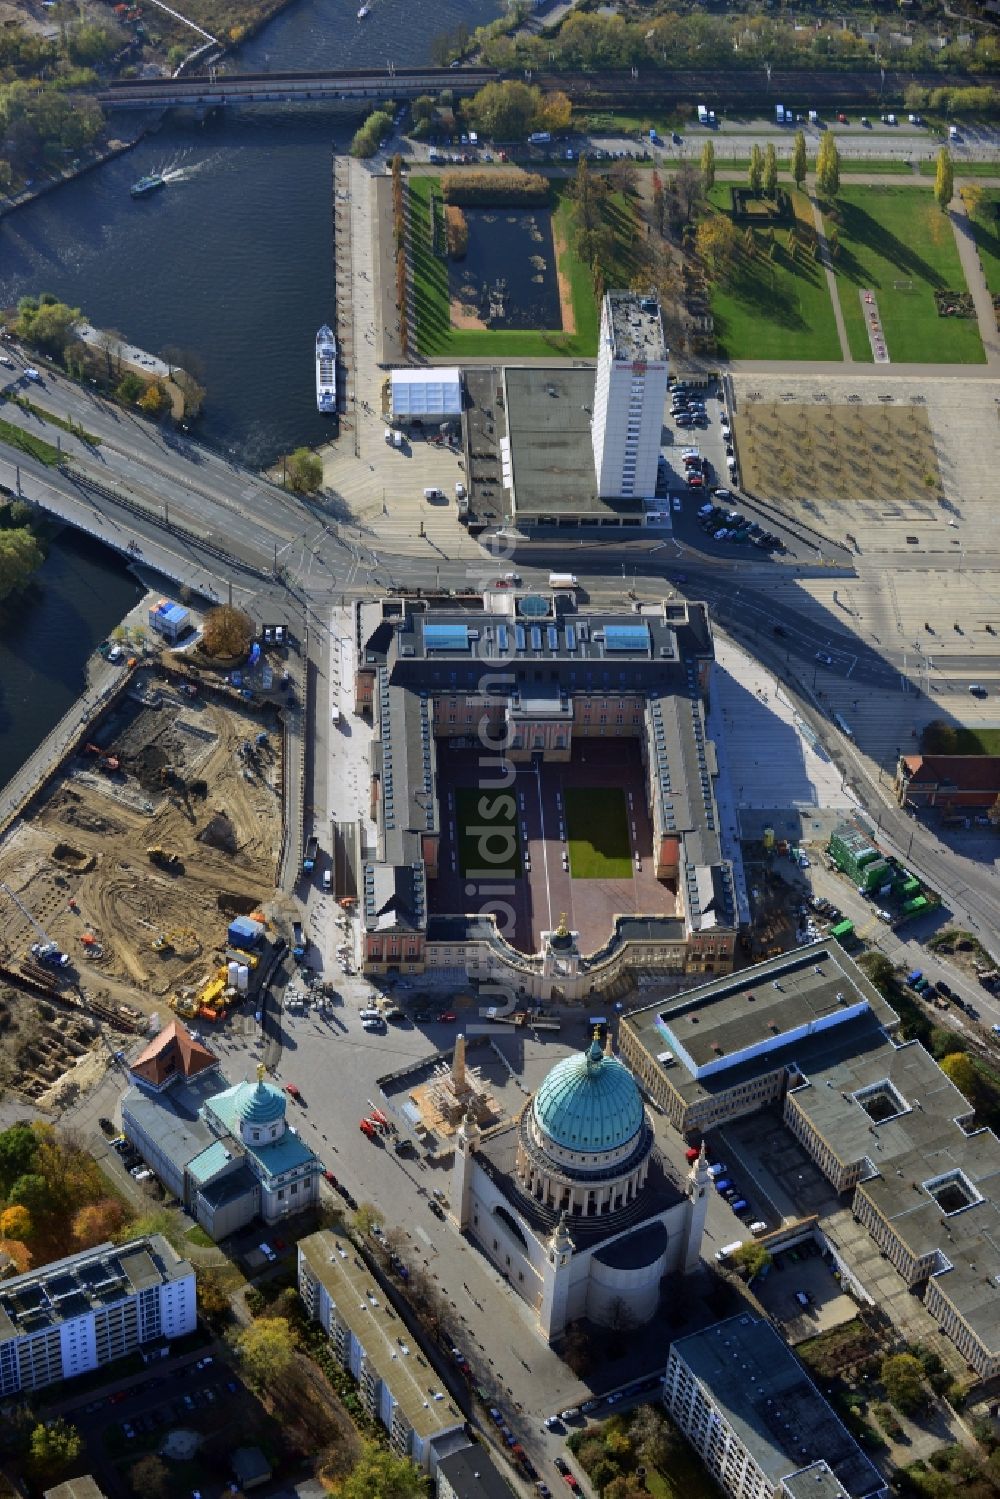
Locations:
779 114
562 580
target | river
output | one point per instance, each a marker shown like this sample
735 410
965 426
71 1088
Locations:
231 262
47 635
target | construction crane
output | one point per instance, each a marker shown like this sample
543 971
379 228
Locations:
45 950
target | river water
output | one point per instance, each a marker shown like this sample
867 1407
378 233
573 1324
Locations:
47 634
231 262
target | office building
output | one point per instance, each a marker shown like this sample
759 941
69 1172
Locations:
80 1313
630 391
808 1031
396 1384
757 1421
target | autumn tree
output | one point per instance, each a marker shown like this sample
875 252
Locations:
962 1071
718 243
304 471
903 1378
755 174
154 399
228 631
213 1297
828 167
800 165
15 1223
20 557
52 1447
750 1259
770 171
944 178
150 1476
652 1436
380 1474
98 1222
554 113
687 194
265 1350
708 165
19 1253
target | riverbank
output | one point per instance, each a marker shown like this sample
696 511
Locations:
87 161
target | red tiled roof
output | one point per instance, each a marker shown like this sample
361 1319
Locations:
964 772
172 1053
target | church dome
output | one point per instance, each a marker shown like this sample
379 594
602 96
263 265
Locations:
259 1103
589 1102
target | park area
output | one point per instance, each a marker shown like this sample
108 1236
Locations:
597 825
896 242
531 249
775 304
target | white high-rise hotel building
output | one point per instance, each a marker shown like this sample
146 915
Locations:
629 395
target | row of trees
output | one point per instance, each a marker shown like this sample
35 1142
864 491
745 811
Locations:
399 231
676 41
374 130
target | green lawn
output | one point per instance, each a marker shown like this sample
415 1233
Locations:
986 229
893 239
597 825
686 1478
964 169
488 840
774 309
436 337
977 742
27 442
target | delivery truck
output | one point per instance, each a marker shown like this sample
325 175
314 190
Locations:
562 580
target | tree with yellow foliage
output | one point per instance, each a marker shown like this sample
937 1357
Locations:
15 1223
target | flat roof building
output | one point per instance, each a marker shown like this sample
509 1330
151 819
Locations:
396 1384
879 1117
471 1474
425 395
735 1044
756 1419
84 1311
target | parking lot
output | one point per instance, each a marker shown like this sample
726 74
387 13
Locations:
803 1275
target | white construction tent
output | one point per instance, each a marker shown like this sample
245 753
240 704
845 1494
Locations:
426 395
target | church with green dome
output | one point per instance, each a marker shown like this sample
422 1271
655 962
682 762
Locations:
573 1202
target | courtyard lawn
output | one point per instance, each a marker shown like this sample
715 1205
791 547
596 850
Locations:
986 232
897 242
774 309
597 831
488 839
436 338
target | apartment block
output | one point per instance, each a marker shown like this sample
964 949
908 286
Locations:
757 1421
89 1309
396 1384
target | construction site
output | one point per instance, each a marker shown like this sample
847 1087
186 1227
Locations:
120 884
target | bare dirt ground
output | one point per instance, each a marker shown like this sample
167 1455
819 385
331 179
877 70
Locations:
40 1045
880 454
192 782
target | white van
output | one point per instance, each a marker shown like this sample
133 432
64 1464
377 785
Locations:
728 1249
758 1228
433 494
